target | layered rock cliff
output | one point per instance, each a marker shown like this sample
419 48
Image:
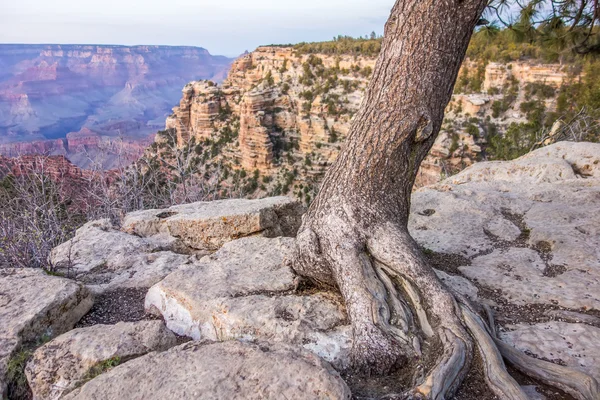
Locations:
290 113
47 91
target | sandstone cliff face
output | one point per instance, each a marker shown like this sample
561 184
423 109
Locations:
496 74
292 112
197 111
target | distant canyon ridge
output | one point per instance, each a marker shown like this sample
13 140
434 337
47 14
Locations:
87 101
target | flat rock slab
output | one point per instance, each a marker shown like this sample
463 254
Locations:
247 290
69 360
529 228
34 304
523 278
107 259
228 370
574 345
209 225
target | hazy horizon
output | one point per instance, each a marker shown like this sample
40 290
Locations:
228 27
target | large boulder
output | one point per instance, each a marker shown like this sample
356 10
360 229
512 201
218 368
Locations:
528 229
247 290
76 356
107 259
209 225
35 305
527 233
228 370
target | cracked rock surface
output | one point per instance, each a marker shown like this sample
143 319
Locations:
529 228
209 225
106 259
34 305
247 290
227 370
67 361
574 345
527 233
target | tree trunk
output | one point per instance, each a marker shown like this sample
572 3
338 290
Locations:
354 237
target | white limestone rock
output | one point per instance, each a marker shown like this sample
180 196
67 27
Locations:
524 278
107 259
246 291
574 345
34 305
228 370
530 227
69 360
209 225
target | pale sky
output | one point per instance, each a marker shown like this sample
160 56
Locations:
225 27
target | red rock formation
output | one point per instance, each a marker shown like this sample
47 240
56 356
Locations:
256 123
80 141
197 111
45 147
58 168
95 87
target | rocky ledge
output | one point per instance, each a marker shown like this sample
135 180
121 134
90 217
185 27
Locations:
201 299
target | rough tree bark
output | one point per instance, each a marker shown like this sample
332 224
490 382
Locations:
354 237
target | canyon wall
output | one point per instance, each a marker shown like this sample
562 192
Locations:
47 91
290 114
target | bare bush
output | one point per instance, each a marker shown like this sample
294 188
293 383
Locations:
582 127
36 214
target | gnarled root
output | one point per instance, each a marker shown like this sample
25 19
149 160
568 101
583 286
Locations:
396 303
578 384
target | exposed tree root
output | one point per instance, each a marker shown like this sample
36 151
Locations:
578 384
396 303
496 376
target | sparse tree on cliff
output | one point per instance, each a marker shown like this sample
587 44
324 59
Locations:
354 237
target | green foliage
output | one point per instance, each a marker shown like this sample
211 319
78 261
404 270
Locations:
472 129
269 79
342 45
102 367
18 387
581 91
540 90
306 107
307 160
224 111
517 141
366 72
333 137
454 143
284 67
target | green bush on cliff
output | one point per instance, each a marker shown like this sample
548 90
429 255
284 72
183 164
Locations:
342 45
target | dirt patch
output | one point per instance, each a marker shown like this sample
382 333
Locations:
552 271
123 305
549 392
448 263
474 386
366 387
166 214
